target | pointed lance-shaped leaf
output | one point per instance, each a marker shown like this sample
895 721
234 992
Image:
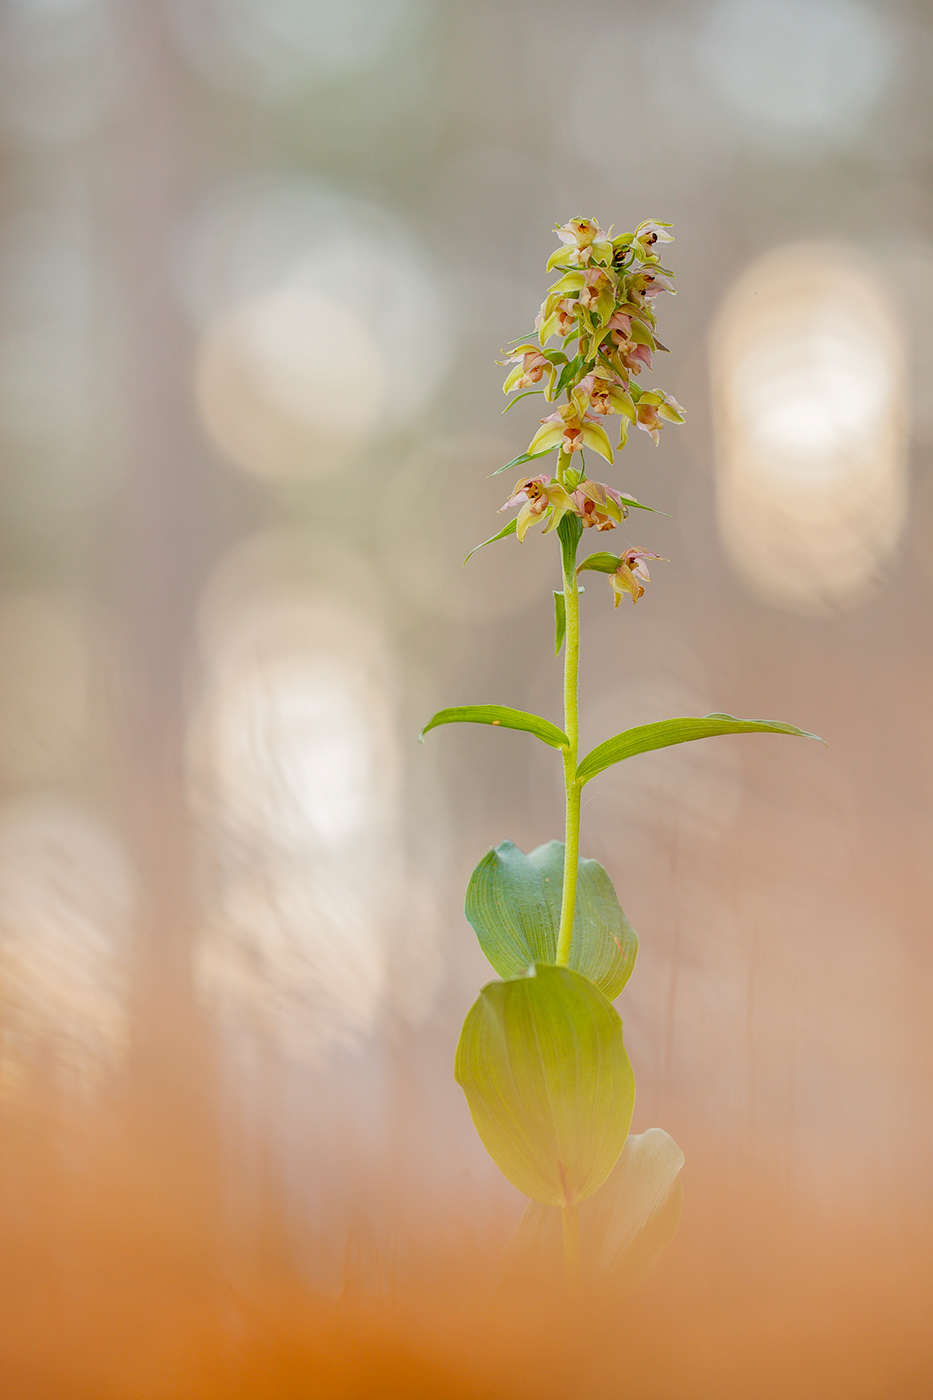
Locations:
506 530
542 1062
676 731
518 397
560 620
500 716
513 904
520 460
570 372
640 505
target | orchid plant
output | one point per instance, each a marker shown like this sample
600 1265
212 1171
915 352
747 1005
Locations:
541 1057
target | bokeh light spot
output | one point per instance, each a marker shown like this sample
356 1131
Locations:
809 401
67 896
797 66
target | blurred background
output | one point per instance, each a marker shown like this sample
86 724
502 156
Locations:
257 260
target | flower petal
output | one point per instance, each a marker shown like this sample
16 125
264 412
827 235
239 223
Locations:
595 437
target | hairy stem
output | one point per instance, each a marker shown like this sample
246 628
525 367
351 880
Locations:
569 532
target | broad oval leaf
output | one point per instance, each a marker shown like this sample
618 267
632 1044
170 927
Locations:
500 716
550 1089
676 731
513 903
624 1226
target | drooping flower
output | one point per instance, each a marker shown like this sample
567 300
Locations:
571 431
601 391
586 239
653 409
599 505
649 282
530 367
651 232
537 495
582 232
620 321
631 575
596 285
556 318
633 356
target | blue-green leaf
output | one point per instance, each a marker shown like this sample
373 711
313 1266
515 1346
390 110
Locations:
676 731
513 903
542 1062
560 620
506 530
500 716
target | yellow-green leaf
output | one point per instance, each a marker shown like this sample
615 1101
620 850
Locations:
602 562
520 460
550 1089
500 716
502 534
676 731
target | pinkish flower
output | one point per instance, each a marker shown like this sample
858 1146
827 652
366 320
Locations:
582 232
620 321
653 409
633 356
599 505
631 575
537 495
603 392
556 318
571 431
596 282
649 282
593 391
651 232
530 367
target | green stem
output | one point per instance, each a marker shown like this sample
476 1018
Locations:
569 532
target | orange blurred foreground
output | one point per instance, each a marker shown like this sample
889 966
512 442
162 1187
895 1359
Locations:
115 1284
